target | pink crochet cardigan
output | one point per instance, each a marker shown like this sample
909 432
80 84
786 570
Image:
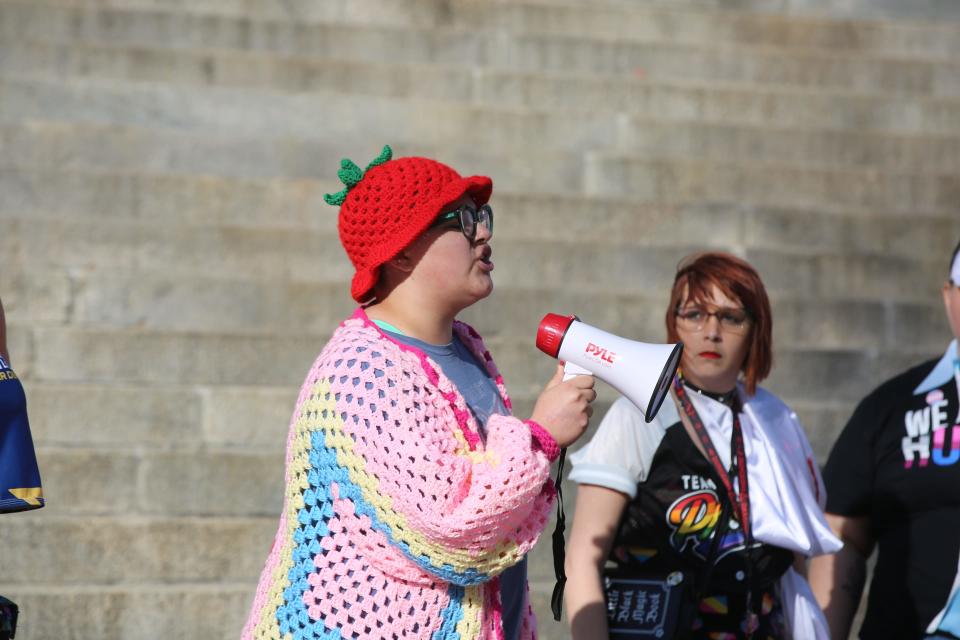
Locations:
397 516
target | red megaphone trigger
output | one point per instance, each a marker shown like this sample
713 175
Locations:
551 331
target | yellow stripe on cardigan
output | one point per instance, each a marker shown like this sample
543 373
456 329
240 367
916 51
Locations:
460 560
476 457
471 624
268 628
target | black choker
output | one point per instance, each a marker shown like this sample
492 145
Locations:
727 398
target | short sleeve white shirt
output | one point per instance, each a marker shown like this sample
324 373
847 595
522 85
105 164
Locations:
619 454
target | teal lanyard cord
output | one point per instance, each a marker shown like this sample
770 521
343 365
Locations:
386 326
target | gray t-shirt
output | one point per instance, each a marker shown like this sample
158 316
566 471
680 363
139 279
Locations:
480 392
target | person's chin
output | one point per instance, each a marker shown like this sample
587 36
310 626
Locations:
482 288
712 366
708 371
485 291
713 369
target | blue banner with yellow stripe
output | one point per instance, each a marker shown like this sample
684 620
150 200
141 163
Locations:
20 487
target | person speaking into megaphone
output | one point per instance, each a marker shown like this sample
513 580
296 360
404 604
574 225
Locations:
689 526
413 492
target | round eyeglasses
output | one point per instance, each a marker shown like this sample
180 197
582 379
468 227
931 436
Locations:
730 320
469 217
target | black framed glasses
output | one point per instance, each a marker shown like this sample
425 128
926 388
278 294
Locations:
470 218
731 320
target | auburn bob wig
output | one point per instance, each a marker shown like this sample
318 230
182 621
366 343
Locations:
698 274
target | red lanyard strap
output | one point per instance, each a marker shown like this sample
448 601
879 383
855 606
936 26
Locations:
741 501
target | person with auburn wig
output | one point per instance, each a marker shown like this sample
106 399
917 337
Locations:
720 493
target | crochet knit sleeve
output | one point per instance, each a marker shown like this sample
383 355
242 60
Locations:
394 444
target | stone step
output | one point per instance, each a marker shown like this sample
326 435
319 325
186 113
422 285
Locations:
795 147
616 174
206 558
187 201
255 419
124 419
693 23
299 258
610 173
117 418
476 47
76 477
662 99
112 416
67 145
220 134
719 99
96 356
920 13
248 253
108 549
409 13
221 113
152 149
200 482
131 549
157 610
904 235
823 421
699 23
158 301
238 417
212 112
799 374
849 277
185 150
183 201
605 172
186 611
99 356
925 12
799 324
127 534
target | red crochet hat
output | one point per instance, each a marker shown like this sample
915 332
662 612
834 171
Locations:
385 207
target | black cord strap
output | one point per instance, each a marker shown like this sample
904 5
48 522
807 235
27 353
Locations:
559 546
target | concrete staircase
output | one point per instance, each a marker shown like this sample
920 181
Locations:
170 270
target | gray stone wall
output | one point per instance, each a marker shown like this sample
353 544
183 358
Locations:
170 270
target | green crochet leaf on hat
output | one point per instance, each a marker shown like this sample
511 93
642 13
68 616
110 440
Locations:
385 155
350 174
335 199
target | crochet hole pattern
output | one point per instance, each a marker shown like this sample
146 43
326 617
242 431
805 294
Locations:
379 206
340 586
396 518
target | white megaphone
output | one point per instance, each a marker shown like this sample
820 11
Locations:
642 372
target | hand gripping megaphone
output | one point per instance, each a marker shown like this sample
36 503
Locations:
642 372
